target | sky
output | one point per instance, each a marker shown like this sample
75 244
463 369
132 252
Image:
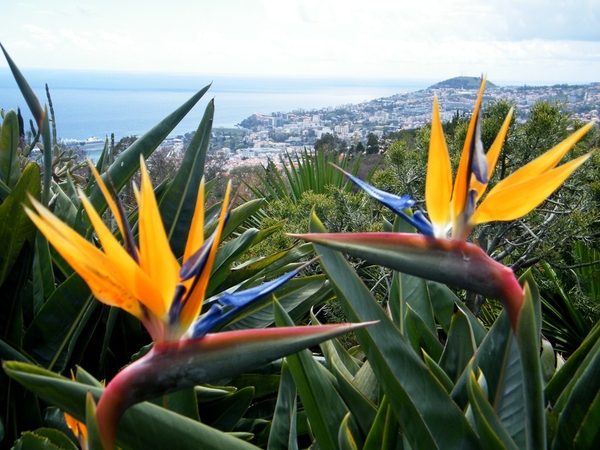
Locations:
525 41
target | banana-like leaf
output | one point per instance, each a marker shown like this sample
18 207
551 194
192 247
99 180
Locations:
579 419
178 202
491 430
224 413
346 440
324 406
528 340
15 226
420 336
459 348
10 170
143 426
44 439
129 161
283 435
384 434
428 416
576 364
47 141
30 98
48 336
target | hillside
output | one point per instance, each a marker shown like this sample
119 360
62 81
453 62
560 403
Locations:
461 83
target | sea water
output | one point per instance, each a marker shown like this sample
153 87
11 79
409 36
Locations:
88 103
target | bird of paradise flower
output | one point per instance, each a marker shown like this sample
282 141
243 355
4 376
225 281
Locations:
147 281
441 252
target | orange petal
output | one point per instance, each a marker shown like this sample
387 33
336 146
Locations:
516 200
156 257
546 161
492 155
438 186
193 305
131 276
196 233
88 261
461 183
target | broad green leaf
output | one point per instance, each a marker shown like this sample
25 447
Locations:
459 348
324 407
428 416
143 426
10 170
489 427
346 440
444 301
224 413
336 354
579 419
576 364
47 141
528 341
384 434
44 439
420 336
283 435
30 98
48 336
128 162
15 226
94 440
499 360
178 202
359 405
43 276
439 373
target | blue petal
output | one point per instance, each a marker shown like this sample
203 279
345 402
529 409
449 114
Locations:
240 299
232 303
207 321
396 204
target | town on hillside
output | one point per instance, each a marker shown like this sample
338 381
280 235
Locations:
264 136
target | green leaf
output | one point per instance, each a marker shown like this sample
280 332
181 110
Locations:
324 407
460 346
489 427
10 170
224 413
420 335
43 277
51 330
15 226
143 426
528 341
562 379
428 416
579 419
178 202
283 433
30 98
384 434
44 439
94 439
128 162
346 440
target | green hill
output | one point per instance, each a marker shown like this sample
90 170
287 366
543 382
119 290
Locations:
461 83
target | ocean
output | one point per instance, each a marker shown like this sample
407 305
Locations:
96 104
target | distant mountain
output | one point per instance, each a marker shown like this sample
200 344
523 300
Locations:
461 83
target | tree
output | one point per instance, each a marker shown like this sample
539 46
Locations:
372 144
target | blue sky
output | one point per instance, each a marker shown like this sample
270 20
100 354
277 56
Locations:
529 41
